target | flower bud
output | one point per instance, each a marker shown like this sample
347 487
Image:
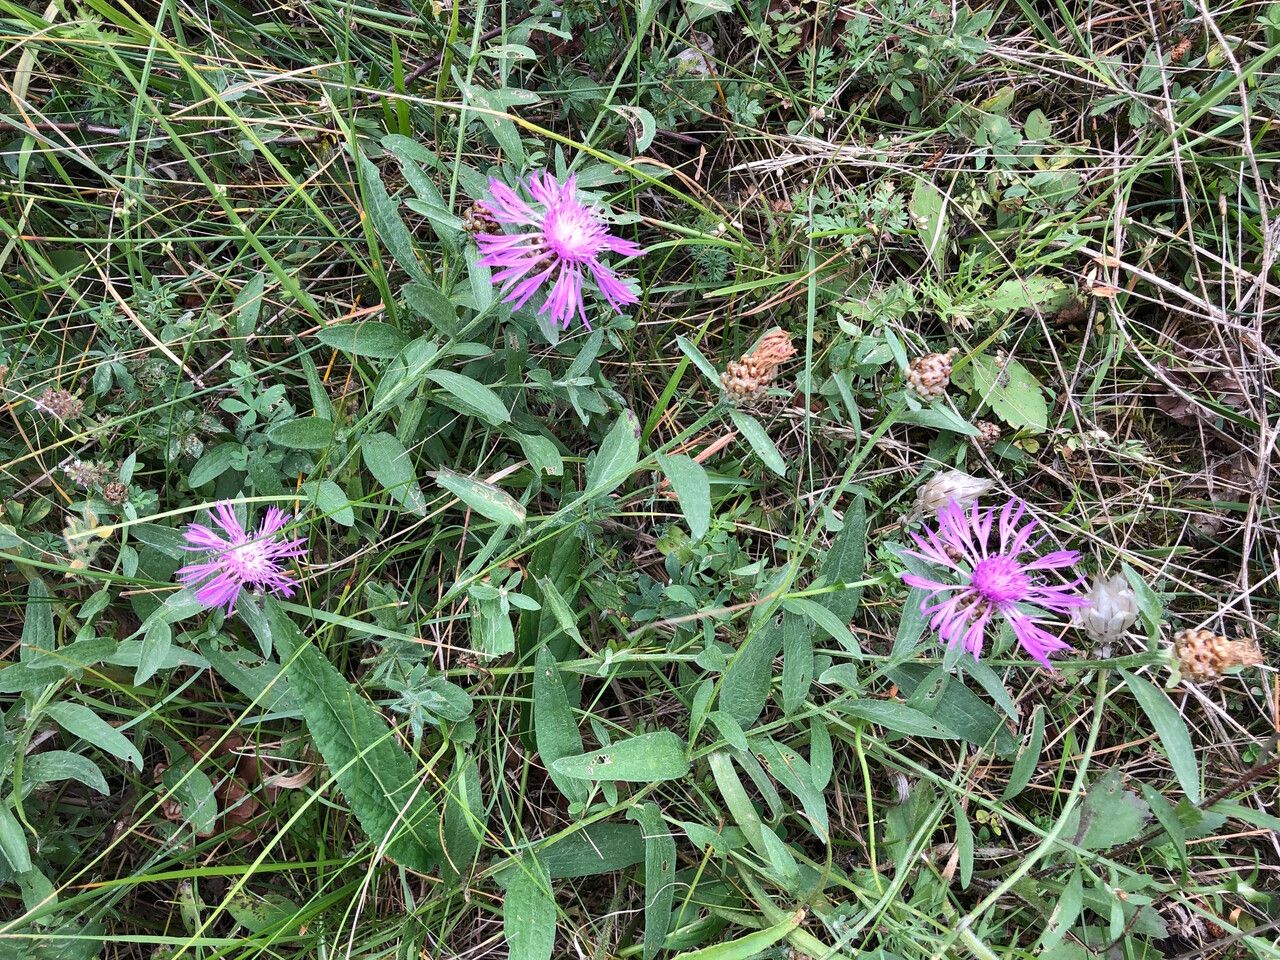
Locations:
1113 608
942 488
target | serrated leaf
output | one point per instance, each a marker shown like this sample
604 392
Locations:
692 489
528 911
389 462
303 433
367 339
82 722
756 435
485 499
647 758
1013 393
617 456
1172 731
376 775
472 394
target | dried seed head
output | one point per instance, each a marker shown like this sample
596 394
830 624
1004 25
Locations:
942 488
748 378
478 219
988 434
1113 609
1204 656
60 404
929 376
115 493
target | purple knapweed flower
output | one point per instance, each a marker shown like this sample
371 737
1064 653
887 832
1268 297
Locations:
240 559
1005 578
565 238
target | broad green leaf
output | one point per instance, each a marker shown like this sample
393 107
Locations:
248 306
464 816
13 842
193 790
542 454
647 758
384 213
369 338
378 777
793 772
389 462
1013 393
748 677
528 911
1150 604
1065 912
764 447
897 717
617 457
430 303
54 765
692 489
690 350
954 706
595 849
1041 293
744 948
1025 765
304 433
797 663
745 815
472 394
939 417
555 731
730 730
824 619
264 913
485 499
559 608
1172 731
846 562
659 875
331 501
214 463
641 117
1110 815
929 211
37 622
82 722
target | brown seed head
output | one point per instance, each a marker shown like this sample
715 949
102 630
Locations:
988 434
59 403
1204 656
747 378
930 375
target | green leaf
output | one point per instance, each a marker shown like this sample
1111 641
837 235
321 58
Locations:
80 721
214 463
929 211
368 339
13 842
265 913
389 462
54 765
528 911
1172 731
764 447
1064 913
797 663
193 790
485 499
376 775
555 731
692 489
749 946
824 619
793 772
464 816
1150 604
595 849
690 350
897 717
648 758
659 875
248 306
560 610
938 417
331 501
1110 815
304 433
1013 393
616 458
947 700
472 395
542 454
37 622
642 117
385 214
1025 765
846 562
748 677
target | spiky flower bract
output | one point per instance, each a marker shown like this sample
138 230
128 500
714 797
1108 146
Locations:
240 560
553 246
1001 577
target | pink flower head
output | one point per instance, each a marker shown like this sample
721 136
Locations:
565 238
1004 578
239 559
